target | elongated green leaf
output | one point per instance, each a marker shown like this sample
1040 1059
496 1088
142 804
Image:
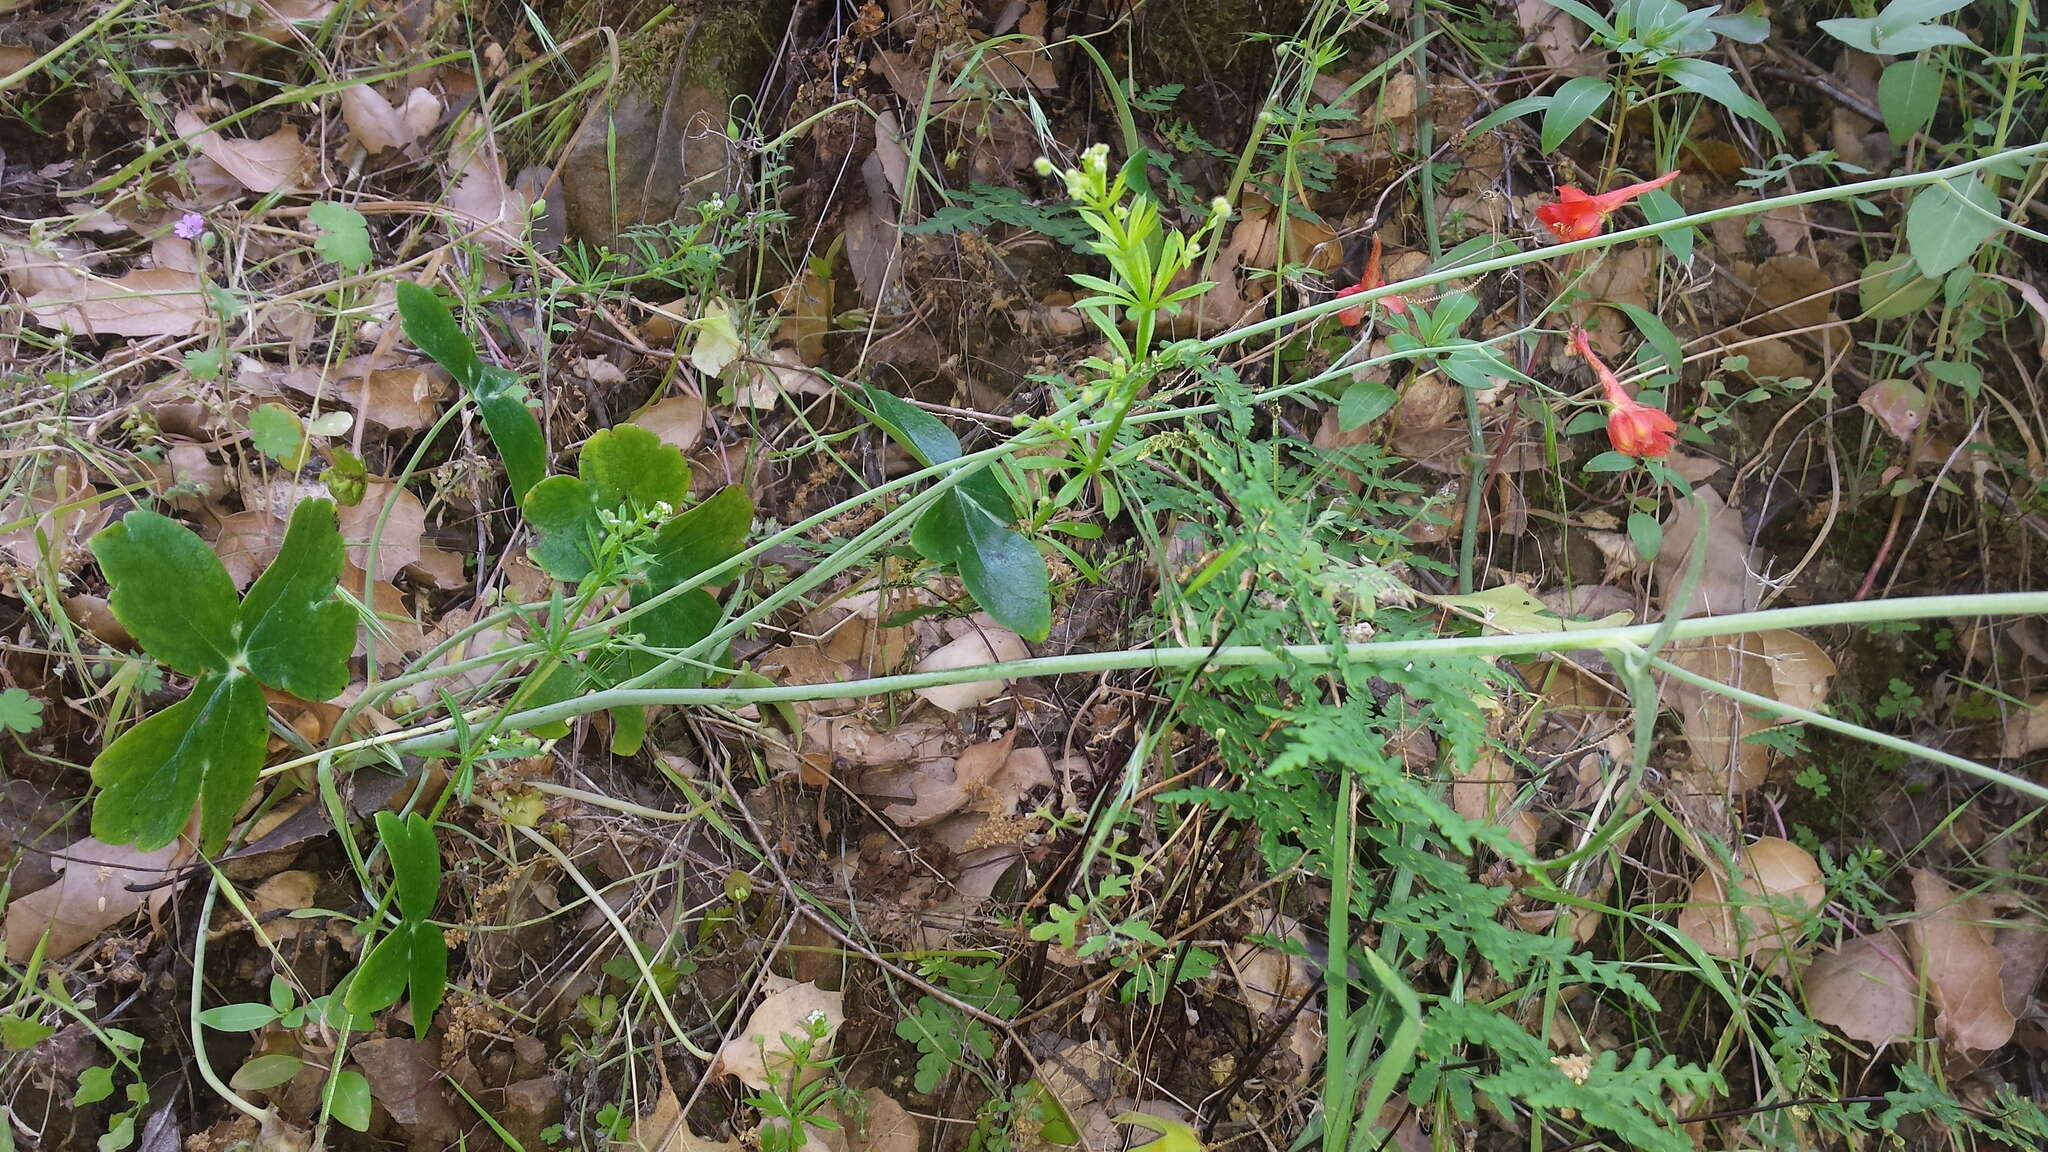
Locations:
379 981
266 1072
1364 402
428 976
1661 338
1002 571
1659 205
511 424
1576 101
513 429
238 1017
1509 111
1908 93
170 591
913 427
296 635
415 862
1717 82
1870 35
207 747
1942 231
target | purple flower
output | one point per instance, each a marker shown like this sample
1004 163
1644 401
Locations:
190 226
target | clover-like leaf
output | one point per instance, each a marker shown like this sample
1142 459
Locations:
344 234
619 467
207 747
296 635
146 554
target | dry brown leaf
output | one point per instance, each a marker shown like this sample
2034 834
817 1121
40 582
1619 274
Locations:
987 645
1952 946
1561 40
990 778
91 894
760 1050
1486 794
145 302
884 1126
276 163
378 125
405 1077
62 484
665 1130
2025 949
1776 879
1898 405
485 201
1865 990
398 536
2026 732
1726 584
396 397
1782 665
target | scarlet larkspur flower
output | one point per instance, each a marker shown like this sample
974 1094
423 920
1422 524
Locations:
190 226
1577 216
1634 428
1354 316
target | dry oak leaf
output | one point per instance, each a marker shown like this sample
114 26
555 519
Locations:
985 645
145 302
760 1050
665 1130
990 778
377 125
491 208
1726 584
1777 879
397 397
1952 945
1865 990
46 517
92 893
1780 664
2027 732
276 163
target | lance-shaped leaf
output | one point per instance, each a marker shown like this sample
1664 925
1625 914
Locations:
413 956
296 634
415 862
207 747
511 424
968 526
170 591
622 466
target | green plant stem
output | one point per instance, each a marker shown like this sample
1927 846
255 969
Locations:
206 1071
1247 656
1868 735
1612 239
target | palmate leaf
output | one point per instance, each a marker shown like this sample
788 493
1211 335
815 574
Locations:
207 747
622 466
296 635
175 597
170 591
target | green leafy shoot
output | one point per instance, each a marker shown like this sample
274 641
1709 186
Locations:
412 958
511 424
968 529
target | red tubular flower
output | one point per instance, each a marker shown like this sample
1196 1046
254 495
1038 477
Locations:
1577 216
1353 317
1634 428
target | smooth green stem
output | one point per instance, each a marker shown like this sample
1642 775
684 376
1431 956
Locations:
1868 735
1613 239
1241 656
